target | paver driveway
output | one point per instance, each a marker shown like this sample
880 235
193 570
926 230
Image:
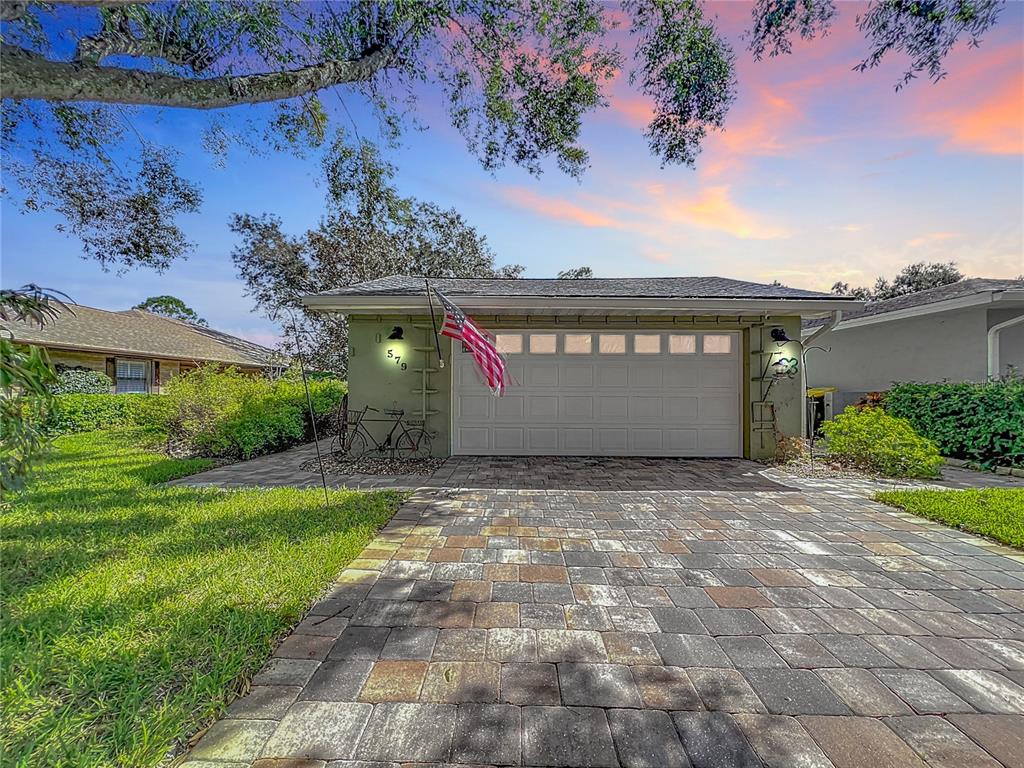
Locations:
648 628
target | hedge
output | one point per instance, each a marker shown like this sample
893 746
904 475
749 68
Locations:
981 422
876 441
84 413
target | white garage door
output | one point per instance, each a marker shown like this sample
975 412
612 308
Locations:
603 394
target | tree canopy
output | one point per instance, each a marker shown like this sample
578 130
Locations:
516 77
579 273
911 279
369 231
173 307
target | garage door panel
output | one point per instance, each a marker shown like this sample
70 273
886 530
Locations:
509 407
643 376
542 375
578 375
509 439
612 440
646 441
577 407
472 407
611 400
578 439
612 375
718 376
642 408
718 409
542 407
542 439
681 409
685 376
613 407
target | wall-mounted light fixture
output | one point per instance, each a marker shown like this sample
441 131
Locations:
396 333
779 335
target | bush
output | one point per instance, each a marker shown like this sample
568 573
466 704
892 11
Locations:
233 415
86 412
81 381
873 440
978 422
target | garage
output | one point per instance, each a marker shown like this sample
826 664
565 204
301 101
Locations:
603 393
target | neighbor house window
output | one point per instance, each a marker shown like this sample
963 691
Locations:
577 343
647 344
542 343
510 343
717 345
611 344
682 344
131 376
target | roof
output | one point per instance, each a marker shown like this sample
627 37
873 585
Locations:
140 333
959 290
613 287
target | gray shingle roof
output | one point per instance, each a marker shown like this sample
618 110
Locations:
615 287
141 333
958 290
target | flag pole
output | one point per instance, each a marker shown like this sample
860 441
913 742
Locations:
433 324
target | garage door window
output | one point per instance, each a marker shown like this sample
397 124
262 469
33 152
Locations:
577 343
542 343
715 344
612 344
510 343
647 344
682 344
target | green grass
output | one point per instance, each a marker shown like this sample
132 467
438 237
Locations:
132 612
994 512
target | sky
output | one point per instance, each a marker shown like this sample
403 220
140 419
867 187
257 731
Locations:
821 174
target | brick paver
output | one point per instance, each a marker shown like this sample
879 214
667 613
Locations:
726 622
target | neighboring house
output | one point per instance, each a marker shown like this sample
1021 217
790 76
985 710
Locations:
611 367
966 331
138 350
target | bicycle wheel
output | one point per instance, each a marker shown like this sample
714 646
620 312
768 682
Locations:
356 446
413 444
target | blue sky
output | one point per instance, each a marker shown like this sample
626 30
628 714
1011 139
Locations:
822 174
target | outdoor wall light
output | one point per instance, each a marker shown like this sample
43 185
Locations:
779 335
396 333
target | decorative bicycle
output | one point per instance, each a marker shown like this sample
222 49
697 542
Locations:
402 441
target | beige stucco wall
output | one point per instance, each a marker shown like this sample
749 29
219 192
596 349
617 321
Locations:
376 379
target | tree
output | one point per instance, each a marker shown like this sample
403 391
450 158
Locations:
369 231
580 273
172 307
910 279
517 78
25 380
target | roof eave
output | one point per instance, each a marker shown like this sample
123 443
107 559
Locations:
401 304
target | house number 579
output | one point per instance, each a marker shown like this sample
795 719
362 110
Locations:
397 359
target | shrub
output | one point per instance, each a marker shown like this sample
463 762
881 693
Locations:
81 381
979 422
234 415
873 440
86 412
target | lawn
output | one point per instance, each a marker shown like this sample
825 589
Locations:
132 611
994 512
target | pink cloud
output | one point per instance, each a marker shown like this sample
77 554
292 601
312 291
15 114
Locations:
556 208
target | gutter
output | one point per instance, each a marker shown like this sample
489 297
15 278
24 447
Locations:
832 322
993 344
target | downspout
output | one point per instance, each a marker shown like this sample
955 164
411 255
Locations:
993 344
832 322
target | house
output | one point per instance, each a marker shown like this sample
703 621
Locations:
138 350
966 331
683 366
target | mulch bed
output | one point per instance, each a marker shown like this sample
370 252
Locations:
374 465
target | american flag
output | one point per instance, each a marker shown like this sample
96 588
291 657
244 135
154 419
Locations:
478 341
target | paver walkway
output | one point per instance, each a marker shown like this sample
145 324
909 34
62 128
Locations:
715 627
